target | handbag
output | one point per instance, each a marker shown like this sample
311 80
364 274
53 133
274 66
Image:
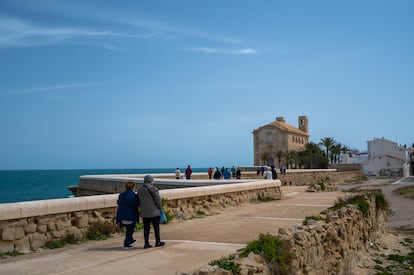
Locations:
163 217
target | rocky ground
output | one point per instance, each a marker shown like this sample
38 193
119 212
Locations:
399 238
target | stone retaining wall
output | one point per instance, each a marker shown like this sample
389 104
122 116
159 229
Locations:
334 247
306 177
27 226
323 248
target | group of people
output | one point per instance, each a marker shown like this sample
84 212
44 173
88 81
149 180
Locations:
272 174
224 173
148 201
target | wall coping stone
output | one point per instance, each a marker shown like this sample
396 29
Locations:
18 210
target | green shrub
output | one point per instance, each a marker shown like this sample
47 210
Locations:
275 251
99 231
200 213
322 185
380 201
359 200
227 263
315 218
53 244
396 257
266 199
13 253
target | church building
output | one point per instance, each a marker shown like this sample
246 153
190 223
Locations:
279 136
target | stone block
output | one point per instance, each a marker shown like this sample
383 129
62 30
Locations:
10 211
37 240
13 233
23 245
59 225
51 226
75 233
82 221
30 228
42 228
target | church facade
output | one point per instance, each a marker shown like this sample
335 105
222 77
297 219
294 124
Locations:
278 136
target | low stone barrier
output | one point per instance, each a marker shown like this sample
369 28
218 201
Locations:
322 248
309 176
27 226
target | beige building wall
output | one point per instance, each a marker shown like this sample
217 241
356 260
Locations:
278 136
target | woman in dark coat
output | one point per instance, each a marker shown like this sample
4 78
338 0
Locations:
150 201
127 213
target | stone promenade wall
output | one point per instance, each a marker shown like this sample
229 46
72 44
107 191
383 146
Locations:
308 176
27 226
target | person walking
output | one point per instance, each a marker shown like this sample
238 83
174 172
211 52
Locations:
177 173
238 174
188 172
210 172
150 203
127 213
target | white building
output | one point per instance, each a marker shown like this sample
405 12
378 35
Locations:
386 158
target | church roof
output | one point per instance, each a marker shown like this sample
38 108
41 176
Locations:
284 127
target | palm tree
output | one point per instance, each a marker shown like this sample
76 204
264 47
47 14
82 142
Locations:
327 142
336 152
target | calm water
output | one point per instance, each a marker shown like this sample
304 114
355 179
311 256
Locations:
27 185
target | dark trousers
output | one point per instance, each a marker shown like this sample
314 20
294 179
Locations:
128 234
155 221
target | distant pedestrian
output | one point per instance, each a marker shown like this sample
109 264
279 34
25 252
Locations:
226 174
258 170
150 201
233 172
274 173
210 172
188 172
127 213
217 174
177 173
262 169
238 174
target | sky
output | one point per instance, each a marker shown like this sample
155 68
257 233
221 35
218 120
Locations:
159 84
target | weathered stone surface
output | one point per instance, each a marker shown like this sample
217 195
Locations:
13 233
6 246
30 228
23 245
37 240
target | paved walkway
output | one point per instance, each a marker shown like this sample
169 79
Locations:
189 244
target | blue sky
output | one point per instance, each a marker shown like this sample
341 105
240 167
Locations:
140 84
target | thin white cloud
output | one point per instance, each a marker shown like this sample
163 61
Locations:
16 32
57 87
208 50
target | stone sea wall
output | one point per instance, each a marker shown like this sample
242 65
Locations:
27 226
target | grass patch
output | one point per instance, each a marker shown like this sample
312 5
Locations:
275 251
99 231
359 200
227 263
200 213
13 253
266 199
362 201
54 244
307 220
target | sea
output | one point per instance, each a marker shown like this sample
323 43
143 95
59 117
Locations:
29 185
